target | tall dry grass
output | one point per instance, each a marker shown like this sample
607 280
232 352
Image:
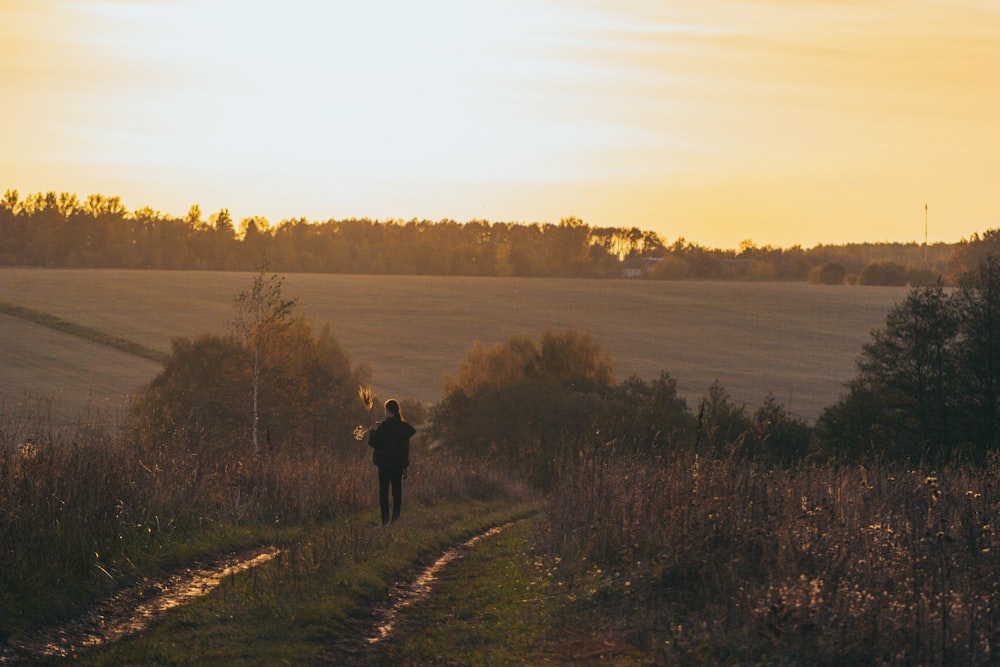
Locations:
89 507
717 560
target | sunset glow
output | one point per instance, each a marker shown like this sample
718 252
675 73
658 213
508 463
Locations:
781 121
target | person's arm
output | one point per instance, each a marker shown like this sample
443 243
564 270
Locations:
410 432
374 436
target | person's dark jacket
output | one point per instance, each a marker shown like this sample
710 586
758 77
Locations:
391 442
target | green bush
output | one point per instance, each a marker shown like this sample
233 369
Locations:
520 402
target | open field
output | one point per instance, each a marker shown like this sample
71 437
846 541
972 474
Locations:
794 340
65 372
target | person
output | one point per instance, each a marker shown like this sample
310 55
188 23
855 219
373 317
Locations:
390 440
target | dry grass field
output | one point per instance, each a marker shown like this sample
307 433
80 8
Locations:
794 340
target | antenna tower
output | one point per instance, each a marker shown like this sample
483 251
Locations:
925 235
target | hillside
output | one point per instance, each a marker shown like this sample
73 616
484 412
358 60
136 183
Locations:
68 373
797 341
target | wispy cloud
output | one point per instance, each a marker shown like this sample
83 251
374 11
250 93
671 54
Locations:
723 113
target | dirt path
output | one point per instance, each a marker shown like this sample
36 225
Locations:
130 611
134 609
360 645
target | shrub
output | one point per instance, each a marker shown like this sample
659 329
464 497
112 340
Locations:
776 435
722 424
884 273
520 401
671 268
307 394
645 416
830 273
201 391
534 408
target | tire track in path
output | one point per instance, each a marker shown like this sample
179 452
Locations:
130 611
134 609
362 641
403 595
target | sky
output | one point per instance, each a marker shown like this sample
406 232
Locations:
781 122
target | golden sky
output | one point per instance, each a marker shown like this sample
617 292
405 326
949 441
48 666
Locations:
779 121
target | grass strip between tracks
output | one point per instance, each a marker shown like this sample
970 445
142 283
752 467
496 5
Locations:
504 604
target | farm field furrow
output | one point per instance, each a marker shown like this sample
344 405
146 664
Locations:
794 340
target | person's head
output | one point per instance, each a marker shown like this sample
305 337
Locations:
392 408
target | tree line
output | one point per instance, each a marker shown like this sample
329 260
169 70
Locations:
61 230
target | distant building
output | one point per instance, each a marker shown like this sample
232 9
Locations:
637 267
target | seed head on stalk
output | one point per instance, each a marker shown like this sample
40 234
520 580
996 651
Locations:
367 397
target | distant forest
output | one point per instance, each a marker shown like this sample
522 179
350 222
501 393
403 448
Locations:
61 230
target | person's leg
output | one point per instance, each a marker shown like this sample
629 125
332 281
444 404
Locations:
384 478
397 492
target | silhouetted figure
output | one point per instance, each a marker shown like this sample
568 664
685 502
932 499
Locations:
391 441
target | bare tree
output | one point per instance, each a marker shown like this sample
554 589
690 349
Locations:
262 314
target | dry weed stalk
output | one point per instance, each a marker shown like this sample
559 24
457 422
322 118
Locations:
367 396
